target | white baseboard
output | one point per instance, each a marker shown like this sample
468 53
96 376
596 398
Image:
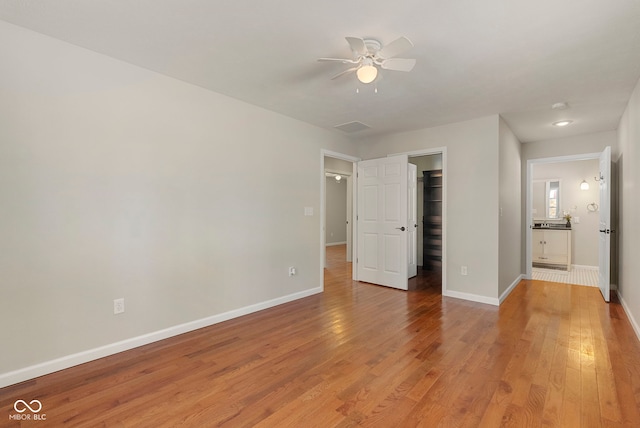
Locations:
510 288
65 362
471 297
632 320
332 244
585 267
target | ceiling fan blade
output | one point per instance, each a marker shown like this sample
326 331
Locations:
344 72
357 45
394 48
342 60
398 64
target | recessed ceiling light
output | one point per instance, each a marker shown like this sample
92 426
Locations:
562 123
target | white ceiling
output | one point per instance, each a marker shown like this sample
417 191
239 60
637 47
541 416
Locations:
474 58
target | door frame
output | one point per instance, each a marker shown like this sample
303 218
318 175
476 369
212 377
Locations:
354 233
529 199
443 152
323 206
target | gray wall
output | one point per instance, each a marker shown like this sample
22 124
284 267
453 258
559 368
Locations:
472 197
510 215
119 182
336 220
338 165
628 166
581 144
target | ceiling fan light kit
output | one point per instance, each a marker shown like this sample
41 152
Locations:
367 73
369 55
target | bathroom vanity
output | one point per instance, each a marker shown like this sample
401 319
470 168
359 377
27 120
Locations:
551 246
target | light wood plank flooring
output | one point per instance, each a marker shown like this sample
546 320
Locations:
358 354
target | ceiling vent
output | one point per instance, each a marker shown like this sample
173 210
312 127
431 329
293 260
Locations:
351 127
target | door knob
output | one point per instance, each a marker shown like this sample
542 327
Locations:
401 228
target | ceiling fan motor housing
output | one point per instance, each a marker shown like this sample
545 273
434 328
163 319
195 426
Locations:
373 46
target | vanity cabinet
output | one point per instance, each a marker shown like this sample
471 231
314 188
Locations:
552 247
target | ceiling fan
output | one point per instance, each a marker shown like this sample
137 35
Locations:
369 54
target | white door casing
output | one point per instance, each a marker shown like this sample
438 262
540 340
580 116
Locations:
604 244
412 221
349 216
382 221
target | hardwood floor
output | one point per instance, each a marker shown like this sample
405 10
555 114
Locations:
358 354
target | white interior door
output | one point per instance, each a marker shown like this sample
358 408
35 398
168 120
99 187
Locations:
412 222
604 246
382 221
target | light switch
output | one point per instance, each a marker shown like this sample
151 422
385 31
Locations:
308 211
576 220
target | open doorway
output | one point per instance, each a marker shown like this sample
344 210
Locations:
564 213
571 210
430 195
336 209
338 196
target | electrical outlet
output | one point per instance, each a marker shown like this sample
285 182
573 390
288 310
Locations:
292 271
118 306
463 270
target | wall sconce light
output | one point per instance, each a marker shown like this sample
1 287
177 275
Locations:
338 178
584 185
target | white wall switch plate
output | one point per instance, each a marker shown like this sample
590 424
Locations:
463 270
308 211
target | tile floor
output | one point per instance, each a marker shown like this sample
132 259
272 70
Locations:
577 275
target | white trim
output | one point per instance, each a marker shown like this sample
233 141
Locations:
509 289
632 320
332 244
67 361
332 171
584 267
354 222
472 297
